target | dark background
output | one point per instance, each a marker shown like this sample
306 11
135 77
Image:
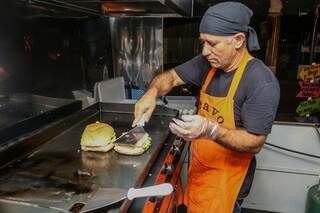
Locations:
52 52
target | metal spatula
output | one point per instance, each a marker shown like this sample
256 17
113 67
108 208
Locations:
131 137
107 196
134 135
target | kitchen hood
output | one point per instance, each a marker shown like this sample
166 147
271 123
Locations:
85 8
59 8
155 8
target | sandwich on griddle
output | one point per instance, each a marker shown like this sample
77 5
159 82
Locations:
98 137
137 149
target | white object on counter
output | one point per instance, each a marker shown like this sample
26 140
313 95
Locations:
184 104
112 90
84 96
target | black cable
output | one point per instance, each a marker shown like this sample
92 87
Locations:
290 150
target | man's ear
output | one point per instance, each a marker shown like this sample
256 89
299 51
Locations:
239 39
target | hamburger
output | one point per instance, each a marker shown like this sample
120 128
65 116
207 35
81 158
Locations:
98 137
139 148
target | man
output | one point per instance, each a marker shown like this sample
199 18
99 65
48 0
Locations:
238 103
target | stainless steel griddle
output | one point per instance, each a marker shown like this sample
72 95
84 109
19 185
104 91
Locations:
57 175
23 113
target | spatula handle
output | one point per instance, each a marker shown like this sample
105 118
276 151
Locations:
157 190
142 120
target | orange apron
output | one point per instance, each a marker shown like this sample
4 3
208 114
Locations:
216 173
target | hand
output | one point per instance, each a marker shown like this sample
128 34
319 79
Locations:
194 126
144 107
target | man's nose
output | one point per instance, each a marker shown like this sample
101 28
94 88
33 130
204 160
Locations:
205 50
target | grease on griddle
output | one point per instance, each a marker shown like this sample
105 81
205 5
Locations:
81 173
76 207
94 162
32 181
13 193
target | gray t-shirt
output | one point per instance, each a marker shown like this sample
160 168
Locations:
256 99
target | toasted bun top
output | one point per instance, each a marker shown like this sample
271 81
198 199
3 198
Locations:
97 134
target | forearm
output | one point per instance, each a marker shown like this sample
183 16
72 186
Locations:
239 140
164 82
160 85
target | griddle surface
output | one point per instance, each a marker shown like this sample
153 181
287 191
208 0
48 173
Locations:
14 112
59 174
24 113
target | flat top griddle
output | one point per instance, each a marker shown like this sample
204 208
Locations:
22 106
15 111
20 110
58 174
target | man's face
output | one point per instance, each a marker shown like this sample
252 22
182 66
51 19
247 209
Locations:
218 50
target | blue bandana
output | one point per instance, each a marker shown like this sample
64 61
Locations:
229 18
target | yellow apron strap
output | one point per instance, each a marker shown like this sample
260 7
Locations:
237 76
208 79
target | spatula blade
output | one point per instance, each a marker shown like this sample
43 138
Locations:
104 197
107 196
131 137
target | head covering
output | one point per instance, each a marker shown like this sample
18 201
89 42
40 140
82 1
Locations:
229 18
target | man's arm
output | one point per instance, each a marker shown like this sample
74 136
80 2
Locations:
240 140
160 85
164 82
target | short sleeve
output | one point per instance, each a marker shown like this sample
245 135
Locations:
194 71
259 110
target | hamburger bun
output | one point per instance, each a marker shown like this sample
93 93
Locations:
98 137
139 148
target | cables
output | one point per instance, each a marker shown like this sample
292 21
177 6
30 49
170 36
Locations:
293 151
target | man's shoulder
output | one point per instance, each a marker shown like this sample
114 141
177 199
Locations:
193 71
260 93
257 73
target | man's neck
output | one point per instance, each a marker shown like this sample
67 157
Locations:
236 61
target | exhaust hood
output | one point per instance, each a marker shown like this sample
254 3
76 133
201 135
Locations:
83 8
155 8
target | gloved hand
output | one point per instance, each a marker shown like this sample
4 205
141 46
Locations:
144 107
194 126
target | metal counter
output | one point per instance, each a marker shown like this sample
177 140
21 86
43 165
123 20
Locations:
58 174
23 113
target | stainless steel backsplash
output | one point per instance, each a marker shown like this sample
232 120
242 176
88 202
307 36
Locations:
137 48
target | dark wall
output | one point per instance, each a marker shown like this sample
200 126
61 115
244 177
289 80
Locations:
54 57
12 57
68 54
296 7
51 56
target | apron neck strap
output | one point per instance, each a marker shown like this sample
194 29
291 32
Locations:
208 79
238 74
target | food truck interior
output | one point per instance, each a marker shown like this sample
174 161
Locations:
56 55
